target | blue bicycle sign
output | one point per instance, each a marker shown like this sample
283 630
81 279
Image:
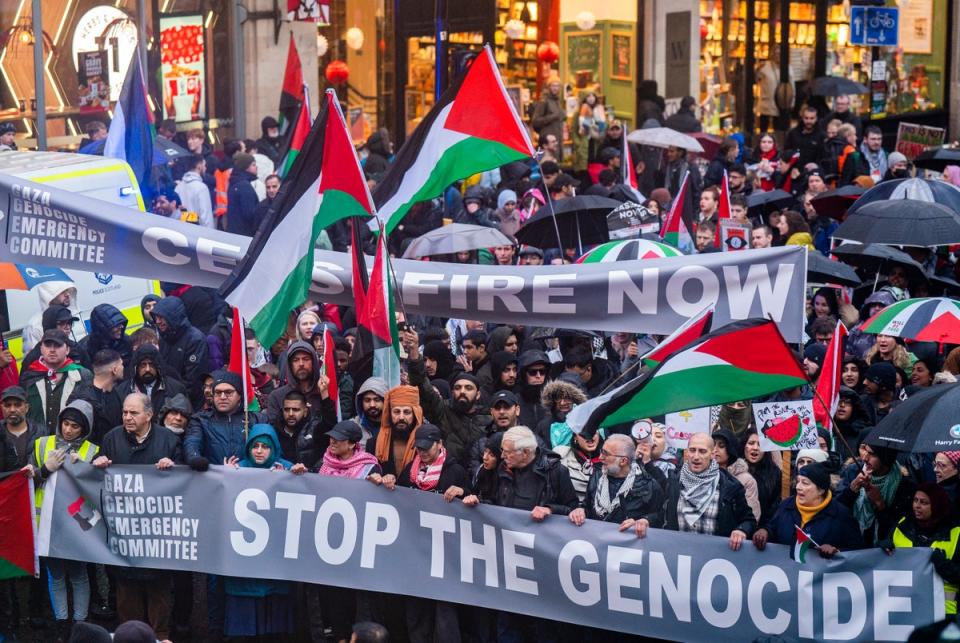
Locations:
874 26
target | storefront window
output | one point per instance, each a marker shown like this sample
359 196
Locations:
421 61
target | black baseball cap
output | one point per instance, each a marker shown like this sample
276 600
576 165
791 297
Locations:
505 397
347 430
54 335
15 393
426 436
563 181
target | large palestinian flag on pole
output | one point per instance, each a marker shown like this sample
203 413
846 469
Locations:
689 332
473 128
739 361
18 537
325 185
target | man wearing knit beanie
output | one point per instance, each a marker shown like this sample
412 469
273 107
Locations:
241 197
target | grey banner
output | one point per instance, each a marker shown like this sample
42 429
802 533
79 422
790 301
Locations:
48 226
268 524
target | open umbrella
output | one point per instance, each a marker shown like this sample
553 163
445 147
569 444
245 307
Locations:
917 189
836 86
926 319
937 158
456 237
925 423
823 271
710 142
628 250
21 276
581 221
835 203
902 222
766 202
664 137
169 149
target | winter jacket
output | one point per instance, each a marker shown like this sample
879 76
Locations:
215 436
886 520
741 471
195 196
46 402
121 446
103 319
178 402
859 342
242 204
544 483
684 120
204 306
832 525
550 395
47 291
644 500
183 348
548 117
460 430
532 412
714 173
733 513
318 405
81 446
163 388
452 474
370 385
483 216
107 408
12 457
808 144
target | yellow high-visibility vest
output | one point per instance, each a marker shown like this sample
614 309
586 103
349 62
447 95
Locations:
43 447
949 548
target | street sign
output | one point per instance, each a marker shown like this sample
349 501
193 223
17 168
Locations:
874 26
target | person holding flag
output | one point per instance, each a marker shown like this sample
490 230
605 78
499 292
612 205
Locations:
813 514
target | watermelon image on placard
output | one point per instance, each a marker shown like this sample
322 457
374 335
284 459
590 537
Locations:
783 432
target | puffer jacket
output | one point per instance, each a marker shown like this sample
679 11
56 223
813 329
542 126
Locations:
103 319
551 394
215 436
183 348
644 500
483 216
46 292
460 430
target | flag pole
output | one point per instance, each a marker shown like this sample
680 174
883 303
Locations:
243 384
393 274
553 213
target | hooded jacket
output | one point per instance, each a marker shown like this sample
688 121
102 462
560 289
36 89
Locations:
103 319
242 204
859 342
163 388
370 385
263 432
80 411
48 322
532 412
318 405
179 403
378 153
47 291
498 363
183 348
856 428
269 146
195 196
549 397
483 216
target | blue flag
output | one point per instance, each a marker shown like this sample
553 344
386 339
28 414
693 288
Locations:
131 131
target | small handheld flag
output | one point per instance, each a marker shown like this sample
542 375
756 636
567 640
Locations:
802 545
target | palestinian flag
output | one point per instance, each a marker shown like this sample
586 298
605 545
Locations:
802 545
325 185
740 361
674 231
828 384
292 95
629 169
723 208
18 535
238 362
692 330
472 128
330 369
296 141
379 320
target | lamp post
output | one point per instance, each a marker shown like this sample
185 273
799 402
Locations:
40 87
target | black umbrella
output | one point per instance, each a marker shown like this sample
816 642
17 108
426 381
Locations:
824 271
836 86
767 202
581 221
877 258
835 203
926 423
937 158
170 149
902 222
917 189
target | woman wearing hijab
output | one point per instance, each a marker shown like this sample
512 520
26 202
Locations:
765 471
931 524
814 509
735 417
852 373
879 496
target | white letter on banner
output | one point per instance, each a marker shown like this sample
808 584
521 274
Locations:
571 551
485 551
617 579
543 290
295 504
252 521
416 283
805 604
321 533
372 536
438 524
151 243
710 285
713 569
514 560
773 299
620 285
678 593
210 260
458 291
767 575
324 281
884 604
850 583
488 290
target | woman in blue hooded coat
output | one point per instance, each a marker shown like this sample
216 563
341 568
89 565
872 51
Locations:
254 606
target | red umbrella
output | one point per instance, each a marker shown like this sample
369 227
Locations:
710 143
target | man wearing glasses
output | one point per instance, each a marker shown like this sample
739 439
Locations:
532 376
218 433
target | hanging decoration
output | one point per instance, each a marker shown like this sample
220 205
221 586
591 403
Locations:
548 52
514 29
337 72
354 38
586 20
322 45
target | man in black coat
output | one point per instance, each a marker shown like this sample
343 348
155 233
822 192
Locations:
146 376
242 199
685 119
108 328
102 393
806 138
183 348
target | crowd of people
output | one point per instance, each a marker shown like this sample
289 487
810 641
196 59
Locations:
480 416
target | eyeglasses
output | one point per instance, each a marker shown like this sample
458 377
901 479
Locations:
536 371
224 393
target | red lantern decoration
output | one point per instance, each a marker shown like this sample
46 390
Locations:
337 72
548 52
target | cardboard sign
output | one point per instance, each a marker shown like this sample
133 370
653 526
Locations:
786 426
734 236
912 139
682 425
630 220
